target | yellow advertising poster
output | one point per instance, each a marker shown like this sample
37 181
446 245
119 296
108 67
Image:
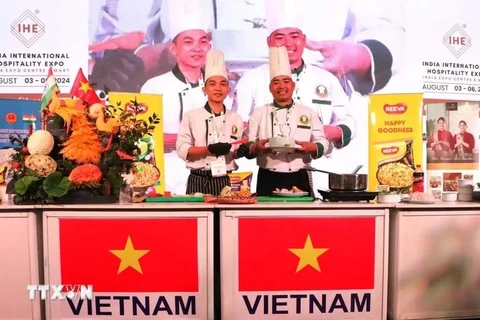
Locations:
395 140
151 147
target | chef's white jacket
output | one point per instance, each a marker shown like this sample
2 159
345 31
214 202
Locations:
305 126
199 129
178 97
314 88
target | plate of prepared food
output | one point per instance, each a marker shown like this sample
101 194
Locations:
417 201
420 198
284 149
286 193
144 176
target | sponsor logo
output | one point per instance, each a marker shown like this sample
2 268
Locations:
391 150
28 28
395 109
140 108
457 40
235 179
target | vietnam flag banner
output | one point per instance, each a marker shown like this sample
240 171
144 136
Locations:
130 255
306 254
82 89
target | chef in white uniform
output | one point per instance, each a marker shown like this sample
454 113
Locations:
205 135
283 116
181 88
315 87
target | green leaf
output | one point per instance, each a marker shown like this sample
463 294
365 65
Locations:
156 122
56 184
22 185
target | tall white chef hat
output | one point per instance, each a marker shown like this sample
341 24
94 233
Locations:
183 15
279 63
215 64
283 14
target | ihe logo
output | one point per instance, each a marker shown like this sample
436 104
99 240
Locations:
457 40
27 28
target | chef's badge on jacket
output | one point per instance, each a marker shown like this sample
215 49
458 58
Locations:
304 122
234 133
321 91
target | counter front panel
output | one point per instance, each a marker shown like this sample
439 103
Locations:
305 263
19 265
434 264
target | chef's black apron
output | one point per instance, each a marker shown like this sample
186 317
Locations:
268 181
202 181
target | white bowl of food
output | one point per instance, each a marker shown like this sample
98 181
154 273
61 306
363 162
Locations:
281 142
449 196
389 197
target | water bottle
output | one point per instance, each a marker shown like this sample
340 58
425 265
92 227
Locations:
126 194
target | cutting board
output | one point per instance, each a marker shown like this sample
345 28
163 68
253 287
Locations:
174 199
284 199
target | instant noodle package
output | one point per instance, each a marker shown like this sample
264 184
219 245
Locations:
240 179
395 140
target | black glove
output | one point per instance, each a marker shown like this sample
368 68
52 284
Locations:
244 151
219 149
120 70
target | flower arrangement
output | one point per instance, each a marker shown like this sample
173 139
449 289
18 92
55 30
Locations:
84 149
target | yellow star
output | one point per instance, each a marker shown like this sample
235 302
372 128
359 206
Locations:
129 257
85 86
308 255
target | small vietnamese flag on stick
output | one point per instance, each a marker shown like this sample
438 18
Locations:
50 87
83 90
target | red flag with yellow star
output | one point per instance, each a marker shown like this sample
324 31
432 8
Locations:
130 255
82 89
293 254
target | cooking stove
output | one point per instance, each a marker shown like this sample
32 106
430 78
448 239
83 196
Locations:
344 196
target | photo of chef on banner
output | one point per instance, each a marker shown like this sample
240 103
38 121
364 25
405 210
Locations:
360 42
340 52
